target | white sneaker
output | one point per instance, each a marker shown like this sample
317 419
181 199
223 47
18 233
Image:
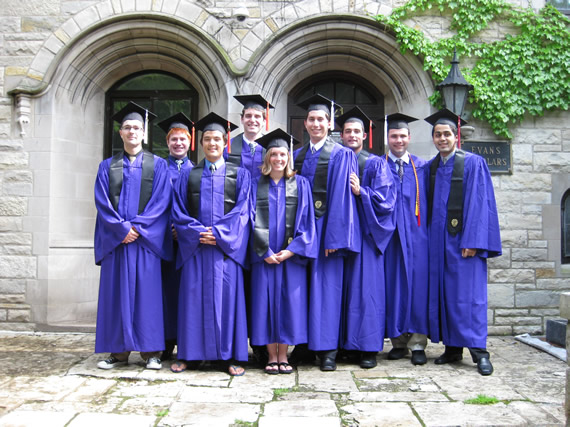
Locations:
111 362
153 363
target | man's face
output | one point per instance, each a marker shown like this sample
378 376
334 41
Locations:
178 144
317 125
444 139
252 122
213 145
353 136
398 141
132 134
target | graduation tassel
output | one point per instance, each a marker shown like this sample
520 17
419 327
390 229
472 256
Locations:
229 139
267 117
291 153
370 136
417 210
386 133
193 137
459 132
332 116
145 127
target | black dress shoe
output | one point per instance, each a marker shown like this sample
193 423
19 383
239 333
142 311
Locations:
260 354
397 353
484 366
419 357
328 360
368 359
448 358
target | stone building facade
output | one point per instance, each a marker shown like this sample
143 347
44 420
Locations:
60 60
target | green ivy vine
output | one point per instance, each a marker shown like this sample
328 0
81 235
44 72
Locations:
527 71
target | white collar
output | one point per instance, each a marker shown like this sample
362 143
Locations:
405 157
319 144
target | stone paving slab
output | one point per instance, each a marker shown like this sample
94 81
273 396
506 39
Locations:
53 378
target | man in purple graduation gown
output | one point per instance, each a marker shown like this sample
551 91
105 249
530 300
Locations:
328 165
248 154
178 138
132 235
365 305
463 232
406 260
245 151
211 217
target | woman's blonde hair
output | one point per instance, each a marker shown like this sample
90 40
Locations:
266 166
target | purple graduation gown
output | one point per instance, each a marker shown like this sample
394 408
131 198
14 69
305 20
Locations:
458 286
129 313
338 228
171 275
365 306
406 259
279 292
249 162
212 321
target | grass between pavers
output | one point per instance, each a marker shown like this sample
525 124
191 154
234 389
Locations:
240 423
482 399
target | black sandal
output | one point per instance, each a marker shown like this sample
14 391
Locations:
283 368
271 371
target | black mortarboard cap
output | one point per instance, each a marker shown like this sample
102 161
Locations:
214 122
356 113
133 111
179 120
444 117
253 101
276 138
319 102
399 121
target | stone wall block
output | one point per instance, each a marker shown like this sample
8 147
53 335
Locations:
22 47
128 5
143 5
514 238
555 283
518 321
538 298
12 299
539 136
527 182
19 315
529 254
188 11
538 244
13 286
499 330
511 275
543 273
503 261
512 221
9 24
11 144
522 154
17 267
18 183
548 312
212 26
40 24
15 250
11 224
3 315
533 264
528 329
552 162
521 312
13 206
501 295
13 160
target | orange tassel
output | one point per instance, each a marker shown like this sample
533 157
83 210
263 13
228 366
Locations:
370 136
193 137
229 139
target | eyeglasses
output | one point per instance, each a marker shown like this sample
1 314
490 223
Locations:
131 128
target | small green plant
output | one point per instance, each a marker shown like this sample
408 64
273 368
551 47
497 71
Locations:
162 413
481 399
527 71
280 391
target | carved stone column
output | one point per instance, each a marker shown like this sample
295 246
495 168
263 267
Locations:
23 112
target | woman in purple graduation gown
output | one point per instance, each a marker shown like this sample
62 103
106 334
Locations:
283 238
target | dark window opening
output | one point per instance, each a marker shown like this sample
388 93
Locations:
565 223
347 90
163 94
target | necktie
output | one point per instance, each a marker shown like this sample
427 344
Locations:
212 168
312 149
252 149
400 164
179 163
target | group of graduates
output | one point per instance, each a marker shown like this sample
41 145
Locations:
328 248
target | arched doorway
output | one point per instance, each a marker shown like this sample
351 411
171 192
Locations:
162 93
348 91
